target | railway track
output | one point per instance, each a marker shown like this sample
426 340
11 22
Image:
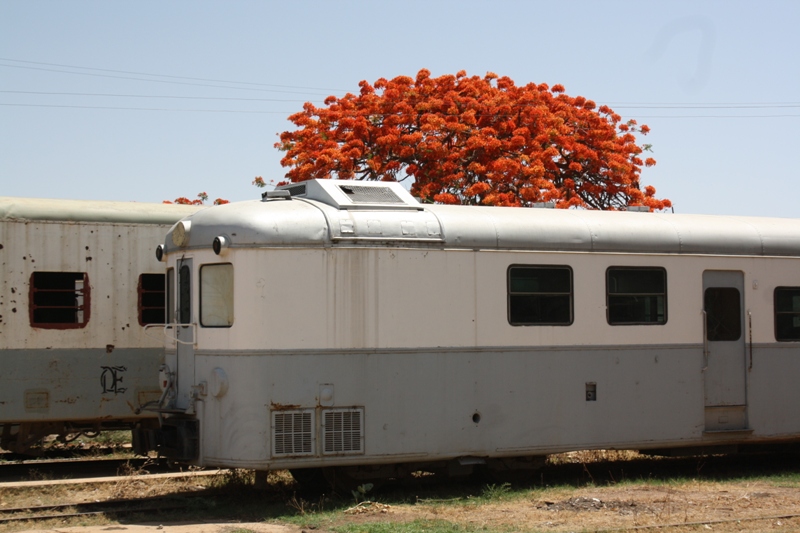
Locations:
33 470
118 507
64 453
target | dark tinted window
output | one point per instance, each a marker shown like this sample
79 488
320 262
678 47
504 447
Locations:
59 300
636 295
151 299
539 295
787 313
170 295
184 295
723 314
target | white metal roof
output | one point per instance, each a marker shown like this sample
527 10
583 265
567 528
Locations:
14 209
322 217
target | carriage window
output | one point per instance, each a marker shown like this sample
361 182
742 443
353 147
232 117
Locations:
170 299
59 300
723 313
216 295
787 314
184 295
636 296
539 295
151 299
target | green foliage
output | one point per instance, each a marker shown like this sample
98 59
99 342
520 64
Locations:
496 492
360 494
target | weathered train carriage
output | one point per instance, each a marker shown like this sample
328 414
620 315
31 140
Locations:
341 324
78 283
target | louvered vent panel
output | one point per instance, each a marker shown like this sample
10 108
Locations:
360 194
343 431
296 190
292 433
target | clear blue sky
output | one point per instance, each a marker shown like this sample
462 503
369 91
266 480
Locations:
130 114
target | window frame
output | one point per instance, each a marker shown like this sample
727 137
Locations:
184 294
570 294
776 312
141 291
84 307
610 295
169 297
200 295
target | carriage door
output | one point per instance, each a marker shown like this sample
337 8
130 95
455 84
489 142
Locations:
185 334
724 350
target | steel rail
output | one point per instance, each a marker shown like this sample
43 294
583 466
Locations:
107 507
76 468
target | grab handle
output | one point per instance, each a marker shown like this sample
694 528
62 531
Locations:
705 341
166 327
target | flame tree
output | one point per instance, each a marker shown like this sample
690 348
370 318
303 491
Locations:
473 140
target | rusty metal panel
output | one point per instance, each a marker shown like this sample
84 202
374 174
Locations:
103 370
70 384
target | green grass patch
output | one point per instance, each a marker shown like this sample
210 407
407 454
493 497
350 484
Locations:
416 526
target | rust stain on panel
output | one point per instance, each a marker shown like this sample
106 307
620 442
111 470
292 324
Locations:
283 407
69 401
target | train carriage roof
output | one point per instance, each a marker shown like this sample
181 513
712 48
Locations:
331 212
40 209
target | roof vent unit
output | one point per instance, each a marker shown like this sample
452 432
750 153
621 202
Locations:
347 194
295 189
276 194
638 208
370 195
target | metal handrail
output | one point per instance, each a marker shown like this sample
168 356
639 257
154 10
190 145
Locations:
750 334
706 351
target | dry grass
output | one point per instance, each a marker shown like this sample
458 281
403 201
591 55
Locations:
581 491
593 456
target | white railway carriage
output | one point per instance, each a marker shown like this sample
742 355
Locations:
345 326
78 283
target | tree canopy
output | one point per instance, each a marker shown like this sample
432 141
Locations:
474 140
201 200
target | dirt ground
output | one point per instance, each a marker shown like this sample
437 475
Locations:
721 507
178 528
585 492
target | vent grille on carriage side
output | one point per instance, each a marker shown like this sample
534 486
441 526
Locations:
296 190
360 194
292 433
343 431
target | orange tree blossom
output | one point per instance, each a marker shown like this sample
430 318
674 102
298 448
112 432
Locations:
473 140
200 200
